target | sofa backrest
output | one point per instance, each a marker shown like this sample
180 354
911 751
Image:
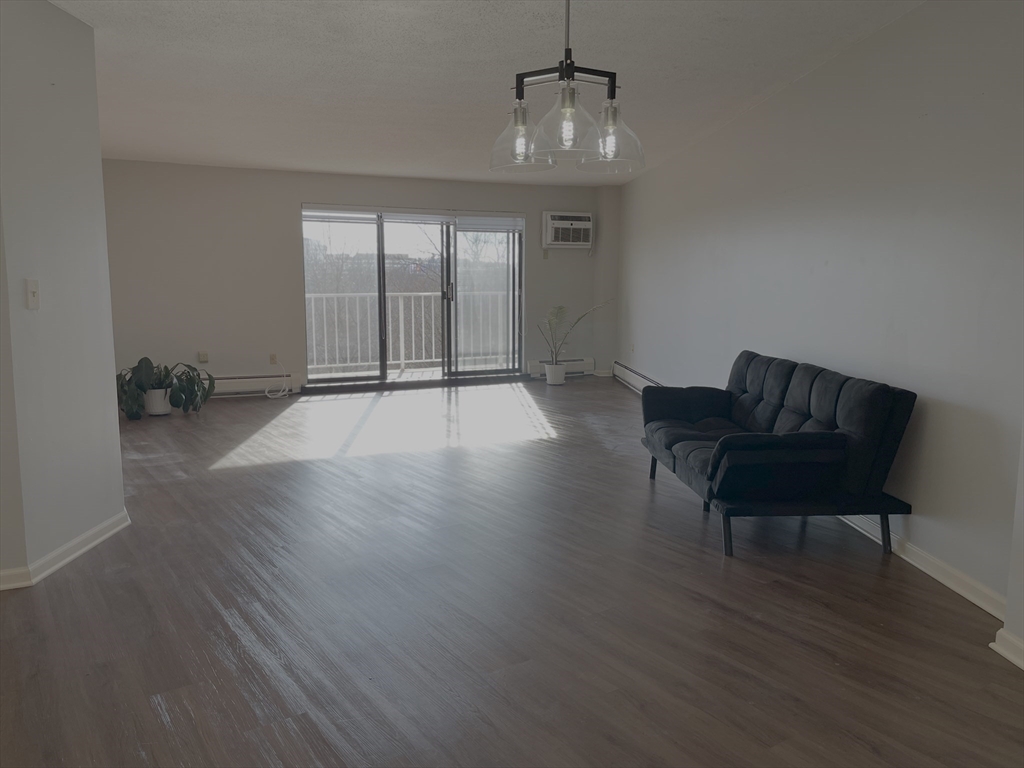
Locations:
776 395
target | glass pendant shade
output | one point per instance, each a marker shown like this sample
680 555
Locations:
620 150
567 130
511 152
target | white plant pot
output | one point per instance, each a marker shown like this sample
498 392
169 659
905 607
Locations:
555 374
158 402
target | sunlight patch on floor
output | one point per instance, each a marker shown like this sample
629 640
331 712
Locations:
327 426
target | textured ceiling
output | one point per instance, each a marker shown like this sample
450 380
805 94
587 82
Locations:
421 88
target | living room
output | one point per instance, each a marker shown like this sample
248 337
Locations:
388 504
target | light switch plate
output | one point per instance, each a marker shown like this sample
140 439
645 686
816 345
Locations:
31 294
204 357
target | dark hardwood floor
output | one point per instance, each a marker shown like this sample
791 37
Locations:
482 576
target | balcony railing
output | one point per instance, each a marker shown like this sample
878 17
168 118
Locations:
342 332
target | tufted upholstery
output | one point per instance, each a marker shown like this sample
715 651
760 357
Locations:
664 434
769 395
758 385
782 438
692 460
780 396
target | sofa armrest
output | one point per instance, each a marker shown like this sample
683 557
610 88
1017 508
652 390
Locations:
685 403
797 465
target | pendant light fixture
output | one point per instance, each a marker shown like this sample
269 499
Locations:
567 131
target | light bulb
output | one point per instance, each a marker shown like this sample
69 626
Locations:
619 149
513 151
567 130
609 144
520 144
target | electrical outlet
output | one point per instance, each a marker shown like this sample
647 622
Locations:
273 358
204 357
632 347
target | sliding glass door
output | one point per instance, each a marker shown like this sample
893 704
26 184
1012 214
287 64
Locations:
342 295
487 272
397 297
415 265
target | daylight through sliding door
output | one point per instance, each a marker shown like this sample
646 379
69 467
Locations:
416 250
486 271
396 297
342 273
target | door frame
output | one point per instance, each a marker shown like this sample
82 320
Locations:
517 241
449 288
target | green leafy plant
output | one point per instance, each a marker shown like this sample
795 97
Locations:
188 390
554 331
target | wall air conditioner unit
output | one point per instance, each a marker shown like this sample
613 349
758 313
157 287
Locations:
568 230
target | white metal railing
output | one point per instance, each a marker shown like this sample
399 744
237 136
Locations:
342 331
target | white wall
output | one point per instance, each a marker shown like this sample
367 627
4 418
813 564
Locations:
1014 623
868 219
1015 584
205 258
12 515
61 356
606 274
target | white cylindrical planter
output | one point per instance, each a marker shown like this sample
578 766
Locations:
158 402
555 374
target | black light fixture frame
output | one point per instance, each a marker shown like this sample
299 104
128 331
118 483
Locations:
566 70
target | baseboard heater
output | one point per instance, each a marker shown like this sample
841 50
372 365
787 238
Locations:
239 386
578 366
632 378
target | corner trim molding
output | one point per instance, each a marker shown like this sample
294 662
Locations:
13 578
1009 646
964 585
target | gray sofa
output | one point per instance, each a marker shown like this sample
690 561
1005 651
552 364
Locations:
782 438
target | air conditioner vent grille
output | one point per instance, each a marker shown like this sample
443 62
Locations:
570 235
568 230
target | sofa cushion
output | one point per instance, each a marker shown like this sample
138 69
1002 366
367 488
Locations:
664 434
692 460
758 385
823 400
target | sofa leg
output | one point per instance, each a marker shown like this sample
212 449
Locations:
654 467
886 539
706 507
727 535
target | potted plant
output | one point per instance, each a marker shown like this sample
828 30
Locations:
158 389
553 329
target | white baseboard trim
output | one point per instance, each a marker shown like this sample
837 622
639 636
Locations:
13 578
942 572
631 378
243 386
1009 646
604 372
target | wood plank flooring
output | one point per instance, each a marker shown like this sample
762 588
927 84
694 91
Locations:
481 576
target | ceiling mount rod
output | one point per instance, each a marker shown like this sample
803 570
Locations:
567 67
566 23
